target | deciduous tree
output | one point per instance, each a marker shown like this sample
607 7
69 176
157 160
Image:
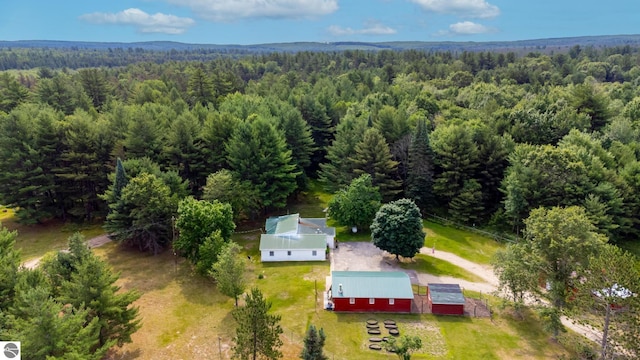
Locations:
397 228
356 205
229 271
197 222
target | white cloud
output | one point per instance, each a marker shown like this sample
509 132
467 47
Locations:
468 28
230 10
371 28
462 8
146 23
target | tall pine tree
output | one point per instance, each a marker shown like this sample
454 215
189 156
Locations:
372 156
420 170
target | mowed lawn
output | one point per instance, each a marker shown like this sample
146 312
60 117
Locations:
184 316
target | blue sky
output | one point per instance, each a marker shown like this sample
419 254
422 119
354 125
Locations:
265 21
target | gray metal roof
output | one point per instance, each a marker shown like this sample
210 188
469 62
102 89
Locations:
371 284
292 242
315 226
446 294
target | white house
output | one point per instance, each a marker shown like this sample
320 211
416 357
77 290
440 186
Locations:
292 238
292 247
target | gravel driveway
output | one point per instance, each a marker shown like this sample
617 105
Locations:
364 256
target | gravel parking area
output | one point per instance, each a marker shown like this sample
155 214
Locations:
364 256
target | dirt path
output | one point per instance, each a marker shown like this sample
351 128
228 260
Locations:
486 272
91 243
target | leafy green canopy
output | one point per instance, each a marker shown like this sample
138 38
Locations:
397 228
357 204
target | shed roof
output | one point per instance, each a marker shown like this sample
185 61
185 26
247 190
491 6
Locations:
292 242
371 284
446 294
282 224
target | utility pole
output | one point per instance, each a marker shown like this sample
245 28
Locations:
173 241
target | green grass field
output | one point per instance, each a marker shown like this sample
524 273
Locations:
465 244
36 240
184 316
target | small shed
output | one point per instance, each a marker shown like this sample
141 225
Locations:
371 291
445 299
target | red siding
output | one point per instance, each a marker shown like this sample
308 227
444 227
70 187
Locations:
446 309
380 305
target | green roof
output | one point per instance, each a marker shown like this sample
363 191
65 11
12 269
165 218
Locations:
282 224
371 284
446 294
292 242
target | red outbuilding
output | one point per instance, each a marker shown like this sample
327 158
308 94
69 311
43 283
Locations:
371 291
445 299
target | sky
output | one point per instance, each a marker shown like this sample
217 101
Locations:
273 21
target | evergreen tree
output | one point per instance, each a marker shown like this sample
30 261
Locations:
95 86
183 152
50 329
93 285
420 169
12 93
297 134
58 93
257 332
200 87
313 344
467 207
455 158
9 264
142 216
258 153
372 156
229 271
338 171
322 130
119 182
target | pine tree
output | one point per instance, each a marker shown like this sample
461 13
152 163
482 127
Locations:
95 86
338 171
93 285
258 153
119 182
12 93
313 344
258 332
420 172
200 87
9 264
372 156
297 134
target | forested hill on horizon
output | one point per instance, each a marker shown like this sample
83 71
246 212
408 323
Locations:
26 54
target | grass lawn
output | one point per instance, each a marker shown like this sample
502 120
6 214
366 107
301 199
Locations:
428 264
184 315
465 244
36 240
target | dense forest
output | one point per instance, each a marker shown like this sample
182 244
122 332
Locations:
479 137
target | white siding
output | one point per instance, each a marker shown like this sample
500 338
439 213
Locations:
331 242
296 255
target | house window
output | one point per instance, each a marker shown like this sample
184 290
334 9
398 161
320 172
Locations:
352 301
270 253
392 301
314 252
289 252
372 301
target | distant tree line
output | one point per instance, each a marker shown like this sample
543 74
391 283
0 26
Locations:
482 138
